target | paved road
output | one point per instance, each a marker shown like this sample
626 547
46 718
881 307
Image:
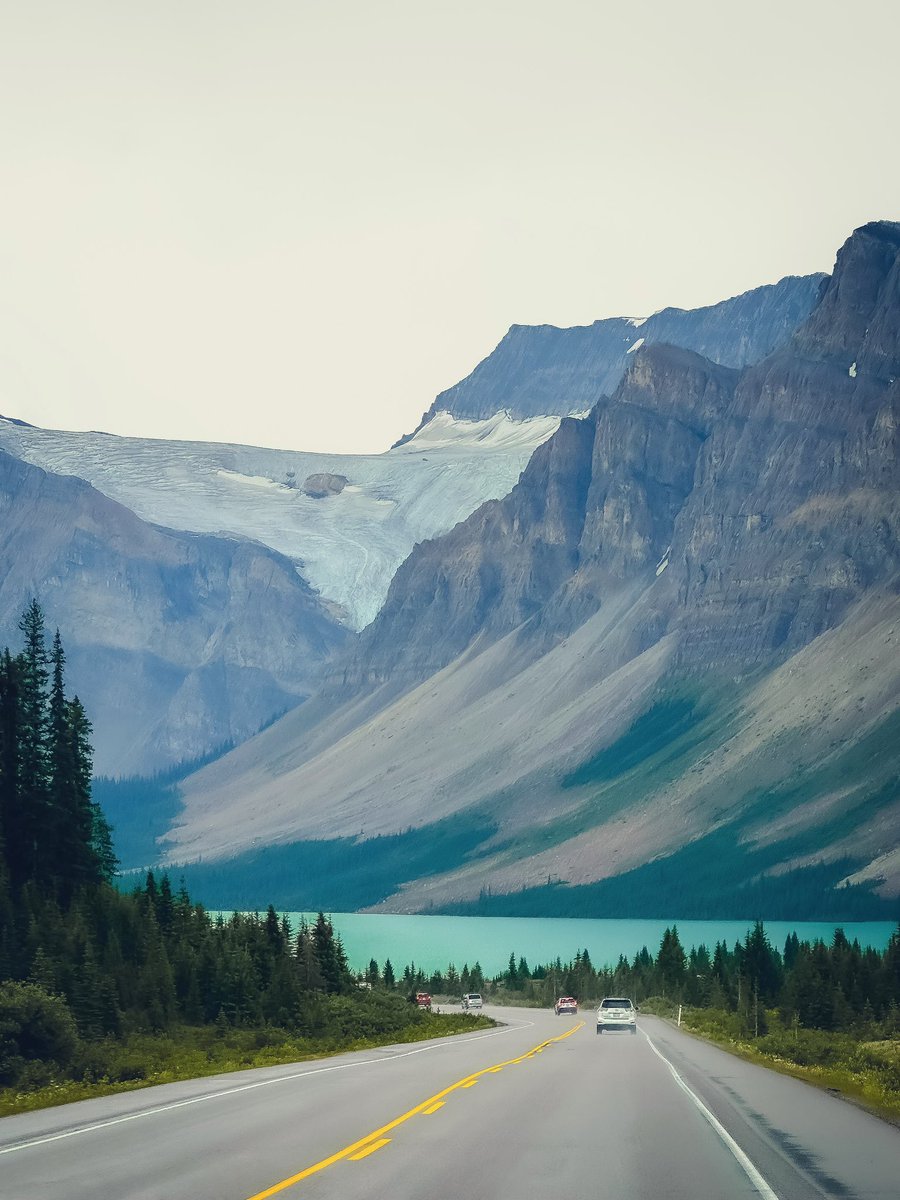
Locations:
505 1114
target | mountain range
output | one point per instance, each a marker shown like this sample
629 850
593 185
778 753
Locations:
344 522
622 638
669 652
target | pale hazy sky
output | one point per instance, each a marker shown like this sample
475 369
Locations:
293 223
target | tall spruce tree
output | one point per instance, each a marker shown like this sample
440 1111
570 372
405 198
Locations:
12 834
74 862
101 861
52 835
32 800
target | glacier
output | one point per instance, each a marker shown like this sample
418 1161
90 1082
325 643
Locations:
347 546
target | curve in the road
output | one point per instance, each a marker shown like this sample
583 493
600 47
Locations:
376 1139
95 1126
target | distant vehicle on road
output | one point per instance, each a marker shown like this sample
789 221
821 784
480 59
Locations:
566 1004
616 1012
423 1000
471 1000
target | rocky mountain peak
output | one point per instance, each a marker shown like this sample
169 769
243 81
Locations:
857 321
542 369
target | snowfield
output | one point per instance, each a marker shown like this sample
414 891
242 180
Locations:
347 546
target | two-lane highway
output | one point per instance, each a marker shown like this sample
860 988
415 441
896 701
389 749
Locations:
541 1107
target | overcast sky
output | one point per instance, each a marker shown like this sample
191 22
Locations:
293 223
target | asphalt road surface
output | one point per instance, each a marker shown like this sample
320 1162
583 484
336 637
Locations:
541 1108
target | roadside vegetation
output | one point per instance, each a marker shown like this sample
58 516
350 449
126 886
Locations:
827 1013
862 1063
102 991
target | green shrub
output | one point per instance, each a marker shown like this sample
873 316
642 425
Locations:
35 1027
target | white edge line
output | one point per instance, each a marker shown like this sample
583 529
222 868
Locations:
249 1087
749 1169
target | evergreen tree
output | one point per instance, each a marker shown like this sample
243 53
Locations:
330 955
52 835
13 838
670 962
761 965
100 862
74 861
165 907
308 964
34 816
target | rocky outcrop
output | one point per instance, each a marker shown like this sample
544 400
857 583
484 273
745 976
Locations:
324 484
177 643
542 369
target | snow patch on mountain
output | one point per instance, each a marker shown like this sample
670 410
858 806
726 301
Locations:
252 480
347 546
499 432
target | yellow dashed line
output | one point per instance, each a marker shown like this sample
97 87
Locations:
433 1109
369 1149
365 1146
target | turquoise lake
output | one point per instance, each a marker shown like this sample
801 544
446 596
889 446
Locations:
433 942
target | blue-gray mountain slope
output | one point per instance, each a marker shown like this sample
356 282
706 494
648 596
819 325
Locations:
176 642
538 369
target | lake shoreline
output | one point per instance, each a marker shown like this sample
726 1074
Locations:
434 941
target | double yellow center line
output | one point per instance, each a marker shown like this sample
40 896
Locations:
375 1140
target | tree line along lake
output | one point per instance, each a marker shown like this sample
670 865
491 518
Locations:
431 942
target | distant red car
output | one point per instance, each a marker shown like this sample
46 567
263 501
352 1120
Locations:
423 999
566 1004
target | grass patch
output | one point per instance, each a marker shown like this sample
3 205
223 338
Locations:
191 1052
865 1071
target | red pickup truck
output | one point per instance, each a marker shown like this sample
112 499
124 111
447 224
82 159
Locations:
423 999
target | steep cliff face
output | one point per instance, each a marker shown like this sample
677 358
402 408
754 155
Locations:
796 508
489 574
542 369
176 642
859 316
594 509
648 438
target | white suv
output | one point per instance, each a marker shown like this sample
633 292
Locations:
472 1000
616 1012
